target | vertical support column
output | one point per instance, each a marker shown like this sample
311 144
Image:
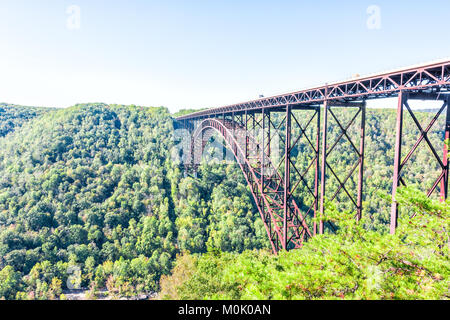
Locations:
224 148
397 160
324 165
233 133
193 149
198 148
188 163
246 134
287 176
255 139
444 181
266 145
192 146
263 124
232 123
268 133
316 174
361 162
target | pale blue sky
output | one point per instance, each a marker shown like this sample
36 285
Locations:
184 54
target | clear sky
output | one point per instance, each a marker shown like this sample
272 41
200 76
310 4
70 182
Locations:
193 54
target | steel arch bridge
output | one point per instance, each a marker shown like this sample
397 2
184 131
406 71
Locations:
250 130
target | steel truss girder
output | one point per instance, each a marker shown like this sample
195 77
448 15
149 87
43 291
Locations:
431 78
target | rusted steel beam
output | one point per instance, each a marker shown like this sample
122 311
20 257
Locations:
287 175
361 163
263 113
444 181
397 160
246 135
347 104
316 173
324 165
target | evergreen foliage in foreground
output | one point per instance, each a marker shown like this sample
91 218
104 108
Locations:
352 264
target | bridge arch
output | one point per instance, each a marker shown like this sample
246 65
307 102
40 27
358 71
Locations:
283 234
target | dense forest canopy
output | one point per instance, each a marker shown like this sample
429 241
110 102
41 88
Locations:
13 116
93 188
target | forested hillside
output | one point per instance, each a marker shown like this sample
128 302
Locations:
92 186
89 196
13 116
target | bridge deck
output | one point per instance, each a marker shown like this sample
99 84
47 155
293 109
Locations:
432 77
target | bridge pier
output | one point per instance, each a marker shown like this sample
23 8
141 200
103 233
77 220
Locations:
326 150
317 172
296 180
324 166
287 174
361 162
444 181
399 164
